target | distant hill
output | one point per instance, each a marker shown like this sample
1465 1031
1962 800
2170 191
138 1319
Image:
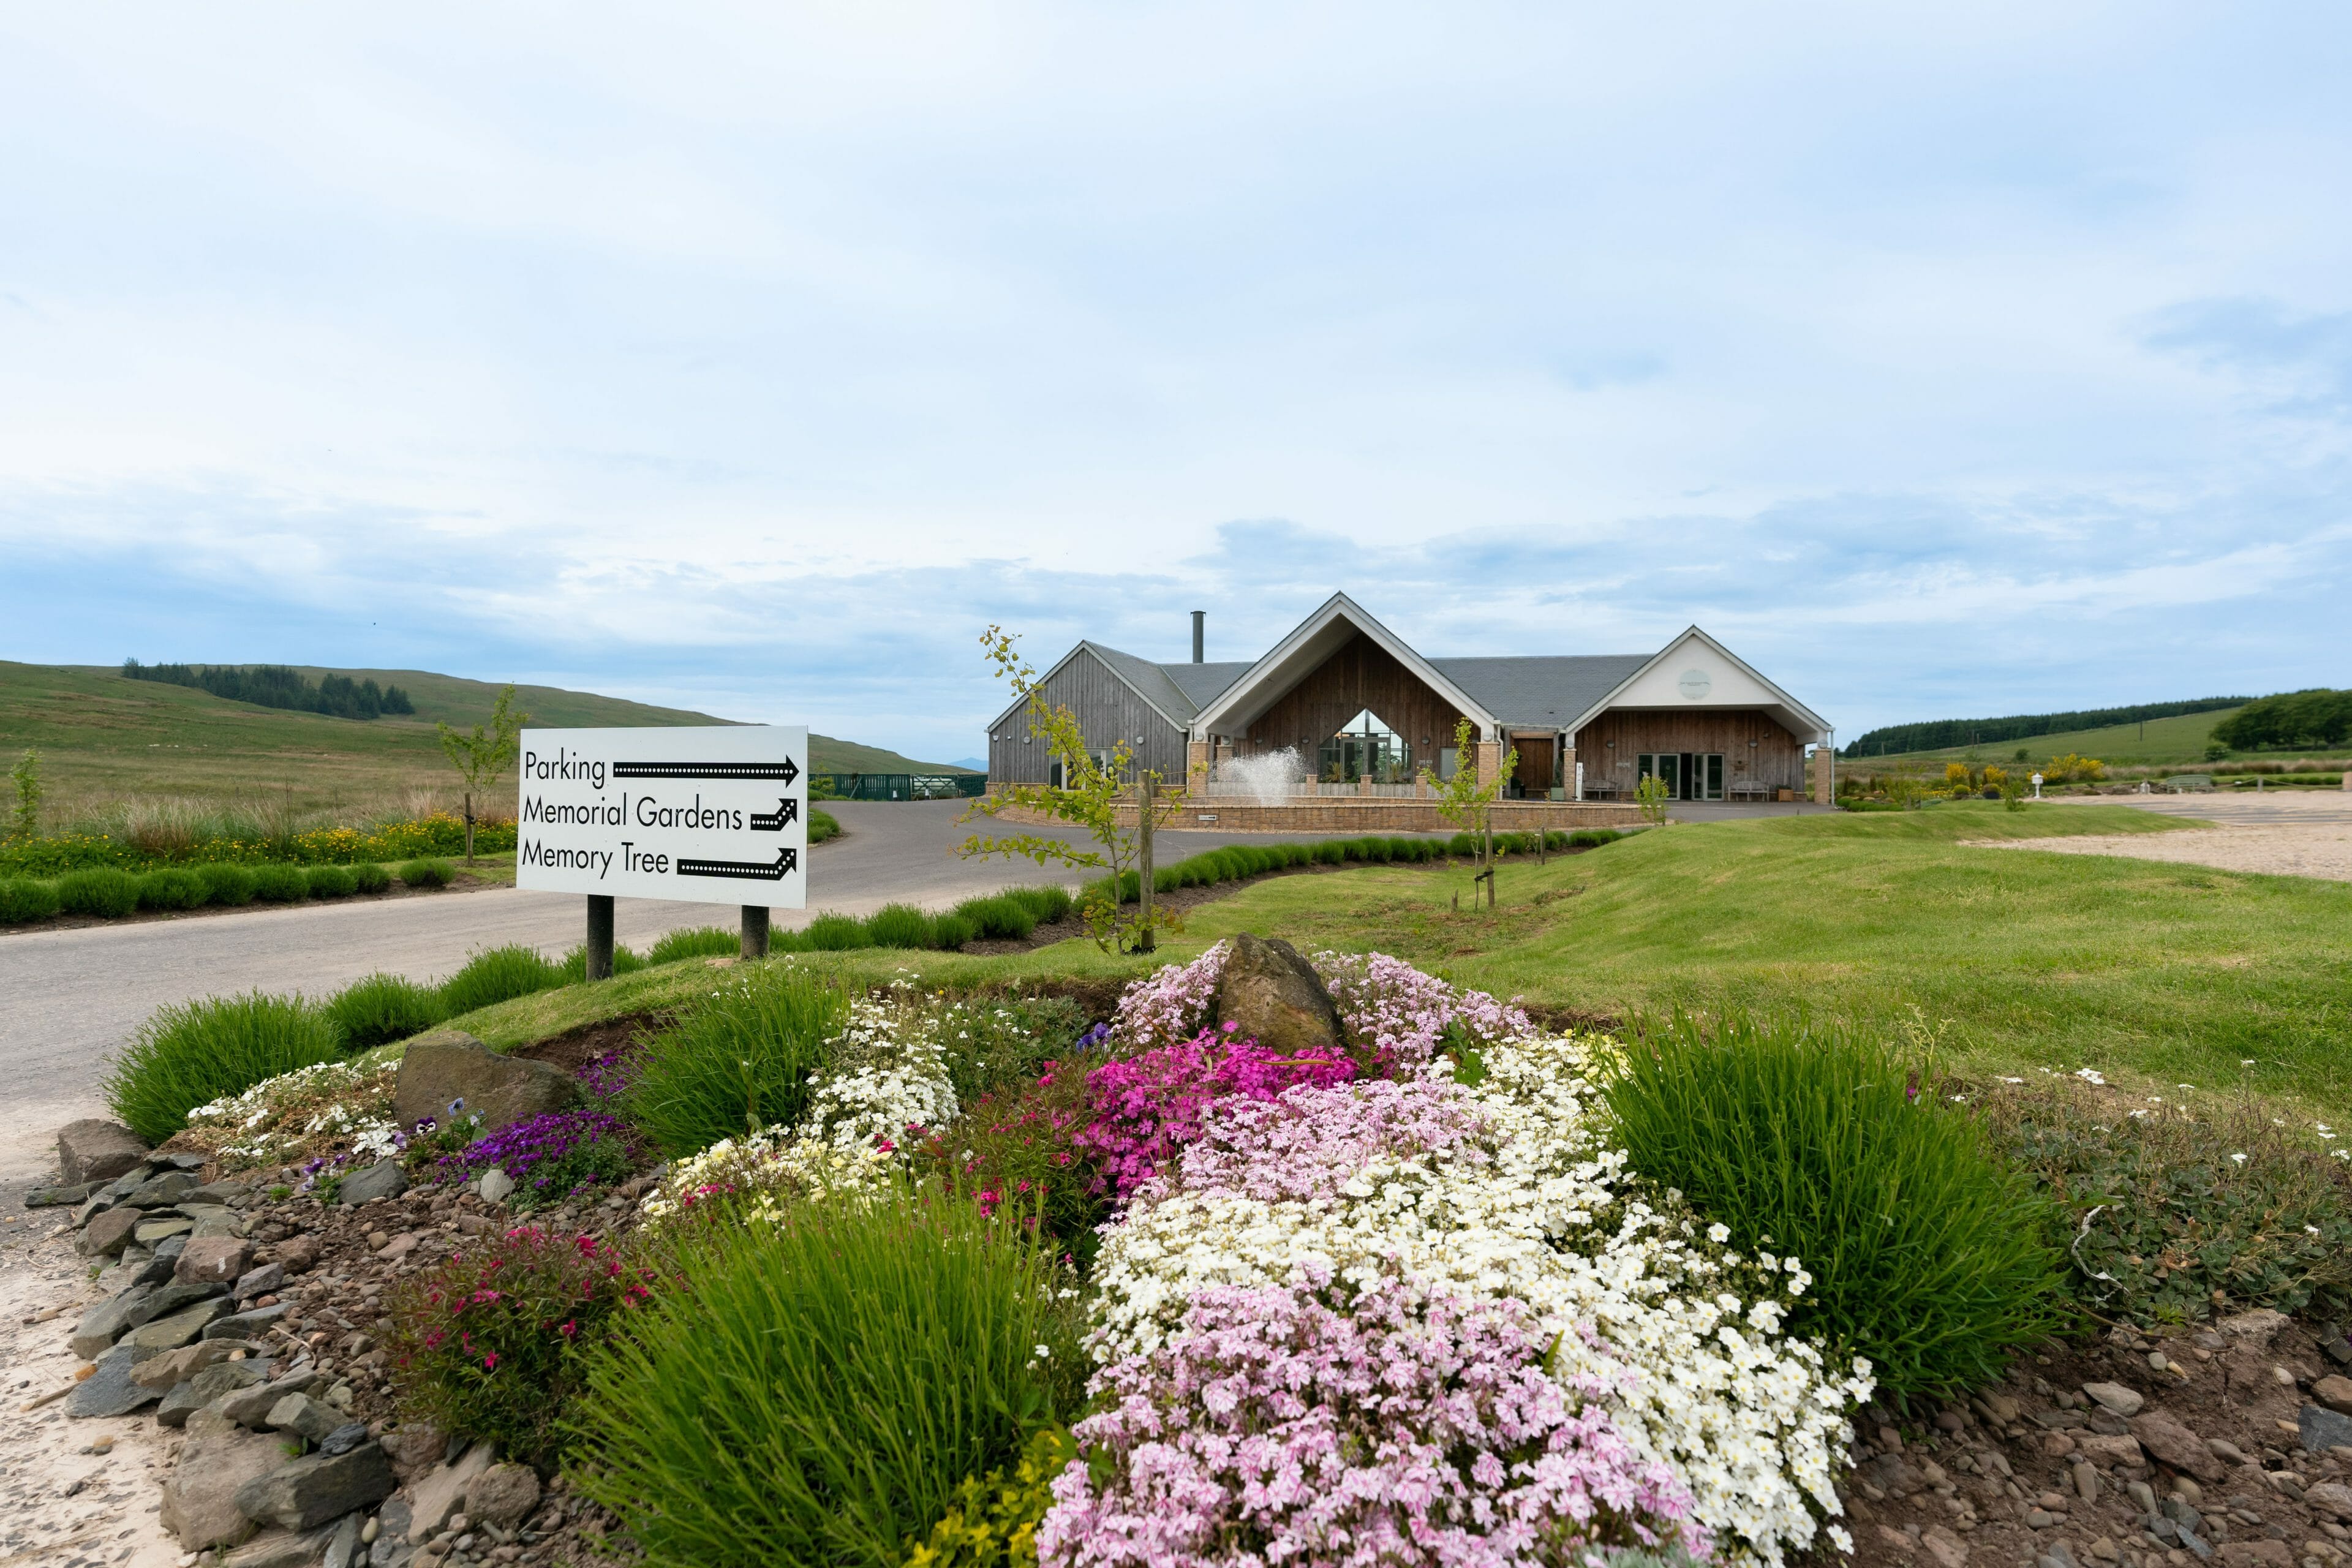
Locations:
104 740
1939 734
2155 742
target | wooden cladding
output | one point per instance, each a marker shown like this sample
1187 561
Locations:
1109 710
1777 760
1359 674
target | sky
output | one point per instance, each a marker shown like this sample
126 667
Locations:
1941 362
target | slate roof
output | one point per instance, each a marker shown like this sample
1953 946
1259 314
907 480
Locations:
1545 692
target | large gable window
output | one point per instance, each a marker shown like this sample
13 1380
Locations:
1365 747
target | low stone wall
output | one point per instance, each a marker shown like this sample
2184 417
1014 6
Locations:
1340 817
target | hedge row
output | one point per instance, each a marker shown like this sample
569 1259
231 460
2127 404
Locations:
107 892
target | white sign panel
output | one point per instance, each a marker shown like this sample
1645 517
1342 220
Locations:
713 816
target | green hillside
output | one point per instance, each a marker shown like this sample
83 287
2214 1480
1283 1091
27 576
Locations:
2164 742
105 740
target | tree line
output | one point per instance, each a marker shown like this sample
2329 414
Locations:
1893 740
2316 717
278 685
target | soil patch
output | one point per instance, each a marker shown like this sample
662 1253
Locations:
576 1048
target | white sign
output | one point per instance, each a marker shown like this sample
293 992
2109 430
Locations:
711 815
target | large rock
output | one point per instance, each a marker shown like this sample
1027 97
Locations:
60 1197
213 1261
503 1495
177 1366
247 1325
382 1179
2323 1430
449 1065
104 1324
1272 995
108 1233
252 1406
162 1300
432 1500
200 1498
96 1150
308 1492
415 1447
2335 1393
216 1382
109 1390
161 1191
308 1418
170 1333
2170 1443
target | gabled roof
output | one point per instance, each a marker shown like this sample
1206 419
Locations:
1202 682
1148 680
1792 709
1309 643
1541 692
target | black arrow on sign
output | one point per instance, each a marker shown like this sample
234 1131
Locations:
787 810
786 770
787 860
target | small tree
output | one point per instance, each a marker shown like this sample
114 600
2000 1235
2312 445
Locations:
1651 796
27 776
480 757
1086 797
1463 801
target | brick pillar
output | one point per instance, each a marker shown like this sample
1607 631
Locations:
1824 775
1568 773
1196 767
1490 761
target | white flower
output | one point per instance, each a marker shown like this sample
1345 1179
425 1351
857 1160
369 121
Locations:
2237 1159
2012 1080
1041 1352
2090 1075
1718 1232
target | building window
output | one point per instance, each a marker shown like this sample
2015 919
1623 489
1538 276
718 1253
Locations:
1364 747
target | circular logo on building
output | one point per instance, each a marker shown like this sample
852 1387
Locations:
1695 684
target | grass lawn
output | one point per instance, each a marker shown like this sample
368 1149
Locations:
2163 972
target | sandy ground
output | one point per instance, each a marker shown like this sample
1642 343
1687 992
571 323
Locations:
62 1506
2279 834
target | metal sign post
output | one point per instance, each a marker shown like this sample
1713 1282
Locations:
702 814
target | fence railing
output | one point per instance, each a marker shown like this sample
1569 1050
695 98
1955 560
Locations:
896 787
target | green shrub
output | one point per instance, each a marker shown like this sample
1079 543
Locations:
816 1391
1463 847
368 877
899 925
822 825
951 931
498 974
23 899
696 942
171 887
102 892
382 1009
227 883
1002 918
490 1344
1051 904
333 882
427 873
836 933
994 1524
1927 1255
194 1053
571 969
277 883
2191 1215
1330 852
740 1061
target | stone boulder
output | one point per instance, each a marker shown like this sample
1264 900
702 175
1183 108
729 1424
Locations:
108 1233
200 1499
2335 1393
109 1390
440 1494
308 1492
503 1495
170 1333
2323 1430
1272 994
449 1065
385 1179
213 1260
216 1382
2170 1443
95 1150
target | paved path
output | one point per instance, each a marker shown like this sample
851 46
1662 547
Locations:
73 996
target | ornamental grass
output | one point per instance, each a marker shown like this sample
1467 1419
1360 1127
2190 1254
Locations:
192 1054
381 1008
1928 1258
740 1060
816 1389
498 974
694 942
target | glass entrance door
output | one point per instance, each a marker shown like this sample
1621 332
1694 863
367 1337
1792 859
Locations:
1707 775
1687 775
1664 766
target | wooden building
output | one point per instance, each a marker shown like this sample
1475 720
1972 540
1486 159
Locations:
1341 705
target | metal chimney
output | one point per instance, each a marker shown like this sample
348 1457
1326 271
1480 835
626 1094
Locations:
1199 634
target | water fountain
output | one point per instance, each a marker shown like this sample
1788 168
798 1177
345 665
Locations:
1270 777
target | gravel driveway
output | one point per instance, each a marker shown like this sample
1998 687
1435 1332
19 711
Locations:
2298 833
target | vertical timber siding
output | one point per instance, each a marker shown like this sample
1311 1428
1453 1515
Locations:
1778 760
1109 710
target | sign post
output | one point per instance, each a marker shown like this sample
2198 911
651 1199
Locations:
705 814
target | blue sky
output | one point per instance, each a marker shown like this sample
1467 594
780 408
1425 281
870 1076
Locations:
755 359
